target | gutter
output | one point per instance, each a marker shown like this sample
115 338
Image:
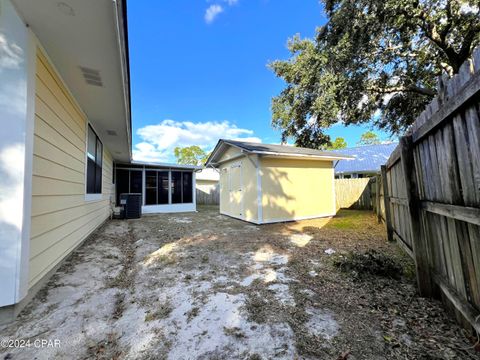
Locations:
290 155
122 37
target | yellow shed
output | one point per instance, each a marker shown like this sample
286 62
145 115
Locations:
265 183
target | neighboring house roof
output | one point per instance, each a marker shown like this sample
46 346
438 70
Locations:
272 150
367 158
208 174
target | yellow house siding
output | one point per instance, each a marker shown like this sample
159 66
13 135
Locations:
231 152
296 189
61 218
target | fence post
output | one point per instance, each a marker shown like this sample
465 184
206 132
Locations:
419 245
386 201
377 198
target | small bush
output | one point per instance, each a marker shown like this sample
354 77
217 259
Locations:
370 263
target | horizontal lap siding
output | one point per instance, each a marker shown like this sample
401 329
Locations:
61 218
293 188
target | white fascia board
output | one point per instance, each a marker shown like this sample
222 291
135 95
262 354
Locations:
313 157
167 165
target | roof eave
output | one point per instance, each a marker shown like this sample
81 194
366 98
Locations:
316 157
167 165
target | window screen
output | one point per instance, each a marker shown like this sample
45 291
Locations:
176 187
182 191
94 162
163 187
122 183
150 188
187 188
135 182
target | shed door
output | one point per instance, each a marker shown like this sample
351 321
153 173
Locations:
236 191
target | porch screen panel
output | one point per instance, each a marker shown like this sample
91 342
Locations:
122 183
136 182
187 188
176 187
150 187
162 187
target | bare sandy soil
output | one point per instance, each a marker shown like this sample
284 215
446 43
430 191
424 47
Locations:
205 286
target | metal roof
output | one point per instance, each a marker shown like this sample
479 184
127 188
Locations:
367 158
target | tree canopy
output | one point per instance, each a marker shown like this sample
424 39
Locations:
190 155
338 143
368 138
374 61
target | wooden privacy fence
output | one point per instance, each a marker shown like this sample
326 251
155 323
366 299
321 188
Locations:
432 187
362 194
353 193
208 194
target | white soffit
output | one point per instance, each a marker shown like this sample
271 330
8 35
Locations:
80 37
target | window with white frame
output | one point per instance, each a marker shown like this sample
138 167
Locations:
94 162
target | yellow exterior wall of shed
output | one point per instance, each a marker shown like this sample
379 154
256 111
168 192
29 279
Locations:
248 210
61 217
296 189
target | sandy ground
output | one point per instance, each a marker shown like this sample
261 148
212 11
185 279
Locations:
205 286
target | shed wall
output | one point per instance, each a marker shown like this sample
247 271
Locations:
61 217
294 189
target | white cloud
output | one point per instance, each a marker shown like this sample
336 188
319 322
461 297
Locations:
212 12
11 198
11 55
216 9
158 141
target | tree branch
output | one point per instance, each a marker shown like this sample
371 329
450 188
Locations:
394 89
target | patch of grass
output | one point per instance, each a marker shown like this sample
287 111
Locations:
105 349
234 331
162 312
370 262
119 306
166 259
125 278
192 313
350 220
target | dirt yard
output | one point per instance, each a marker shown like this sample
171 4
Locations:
205 286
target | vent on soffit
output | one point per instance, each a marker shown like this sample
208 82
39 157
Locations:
91 76
112 132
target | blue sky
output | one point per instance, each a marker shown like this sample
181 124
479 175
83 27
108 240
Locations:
199 70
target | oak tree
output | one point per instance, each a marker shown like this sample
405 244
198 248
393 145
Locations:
374 61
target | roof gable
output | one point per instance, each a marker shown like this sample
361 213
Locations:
271 150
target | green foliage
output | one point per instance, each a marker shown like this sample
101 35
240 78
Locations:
374 60
190 155
338 143
368 138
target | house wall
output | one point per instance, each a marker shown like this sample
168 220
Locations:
61 216
296 189
247 209
17 85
